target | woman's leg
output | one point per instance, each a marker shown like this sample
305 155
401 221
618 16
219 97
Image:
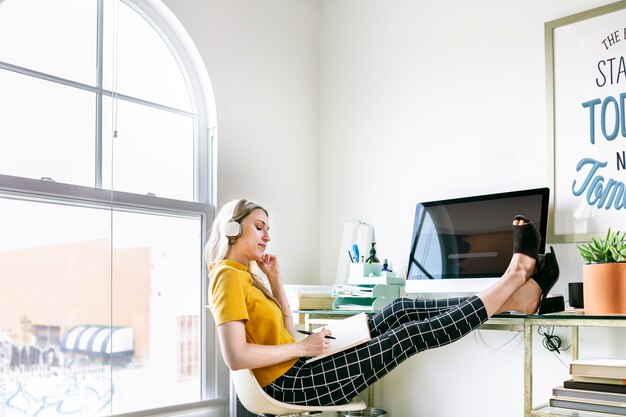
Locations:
525 300
514 293
338 378
499 296
404 310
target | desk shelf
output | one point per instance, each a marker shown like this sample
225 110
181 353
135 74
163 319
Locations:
547 411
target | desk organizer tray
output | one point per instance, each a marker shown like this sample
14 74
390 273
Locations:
381 279
370 291
361 303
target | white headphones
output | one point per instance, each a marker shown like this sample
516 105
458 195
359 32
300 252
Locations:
232 229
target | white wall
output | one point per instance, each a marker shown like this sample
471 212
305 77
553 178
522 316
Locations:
332 110
262 59
428 100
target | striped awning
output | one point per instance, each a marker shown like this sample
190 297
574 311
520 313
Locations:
98 340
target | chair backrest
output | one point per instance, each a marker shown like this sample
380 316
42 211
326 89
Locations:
257 401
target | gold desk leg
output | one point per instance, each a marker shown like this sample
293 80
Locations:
574 342
528 368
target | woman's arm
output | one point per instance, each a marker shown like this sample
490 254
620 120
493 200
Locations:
269 265
239 354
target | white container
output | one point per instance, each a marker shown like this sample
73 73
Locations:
363 269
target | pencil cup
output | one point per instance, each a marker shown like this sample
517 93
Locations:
359 270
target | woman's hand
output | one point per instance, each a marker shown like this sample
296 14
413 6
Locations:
315 344
268 264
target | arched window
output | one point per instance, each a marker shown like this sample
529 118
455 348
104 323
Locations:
106 125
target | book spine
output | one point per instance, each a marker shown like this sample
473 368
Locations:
582 406
589 395
590 386
601 371
599 380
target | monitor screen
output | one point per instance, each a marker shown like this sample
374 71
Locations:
471 237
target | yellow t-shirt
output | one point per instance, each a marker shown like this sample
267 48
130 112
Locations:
233 297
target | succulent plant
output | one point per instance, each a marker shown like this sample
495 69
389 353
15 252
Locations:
608 250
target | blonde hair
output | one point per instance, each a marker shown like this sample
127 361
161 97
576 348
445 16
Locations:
218 243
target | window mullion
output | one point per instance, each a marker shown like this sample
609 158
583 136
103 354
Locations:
99 77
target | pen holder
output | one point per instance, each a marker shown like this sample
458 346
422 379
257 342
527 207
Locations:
359 270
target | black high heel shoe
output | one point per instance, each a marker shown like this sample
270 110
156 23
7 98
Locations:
526 238
547 275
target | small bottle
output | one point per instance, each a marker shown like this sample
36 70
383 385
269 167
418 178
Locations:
372 258
385 266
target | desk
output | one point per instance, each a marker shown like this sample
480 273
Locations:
522 323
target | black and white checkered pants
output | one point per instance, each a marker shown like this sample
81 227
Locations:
402 329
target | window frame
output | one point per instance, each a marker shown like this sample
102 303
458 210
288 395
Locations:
214 373
203 114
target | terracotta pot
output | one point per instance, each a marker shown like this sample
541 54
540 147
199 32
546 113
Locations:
604 288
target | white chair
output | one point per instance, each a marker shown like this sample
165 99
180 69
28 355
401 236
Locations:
257 401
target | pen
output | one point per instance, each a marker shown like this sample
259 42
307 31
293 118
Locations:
355 249
310 333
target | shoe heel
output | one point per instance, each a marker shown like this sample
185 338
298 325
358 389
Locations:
546 278
551 304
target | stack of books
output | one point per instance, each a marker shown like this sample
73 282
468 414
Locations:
310 297
597 385
314 302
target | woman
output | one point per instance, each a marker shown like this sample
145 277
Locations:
256 330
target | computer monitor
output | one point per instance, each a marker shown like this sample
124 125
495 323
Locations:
461 246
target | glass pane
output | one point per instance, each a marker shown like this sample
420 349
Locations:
157 293
46 130
153 151
146 68
55 37
90 327
55 264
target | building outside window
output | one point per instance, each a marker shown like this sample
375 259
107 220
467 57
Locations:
188 347
105 189
46 336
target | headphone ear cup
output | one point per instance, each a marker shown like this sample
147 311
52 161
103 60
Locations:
232 229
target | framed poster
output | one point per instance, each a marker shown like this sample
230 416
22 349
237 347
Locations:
586 73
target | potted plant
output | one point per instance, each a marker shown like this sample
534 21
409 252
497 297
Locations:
604 274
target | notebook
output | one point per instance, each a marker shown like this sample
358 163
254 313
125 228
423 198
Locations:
349 332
